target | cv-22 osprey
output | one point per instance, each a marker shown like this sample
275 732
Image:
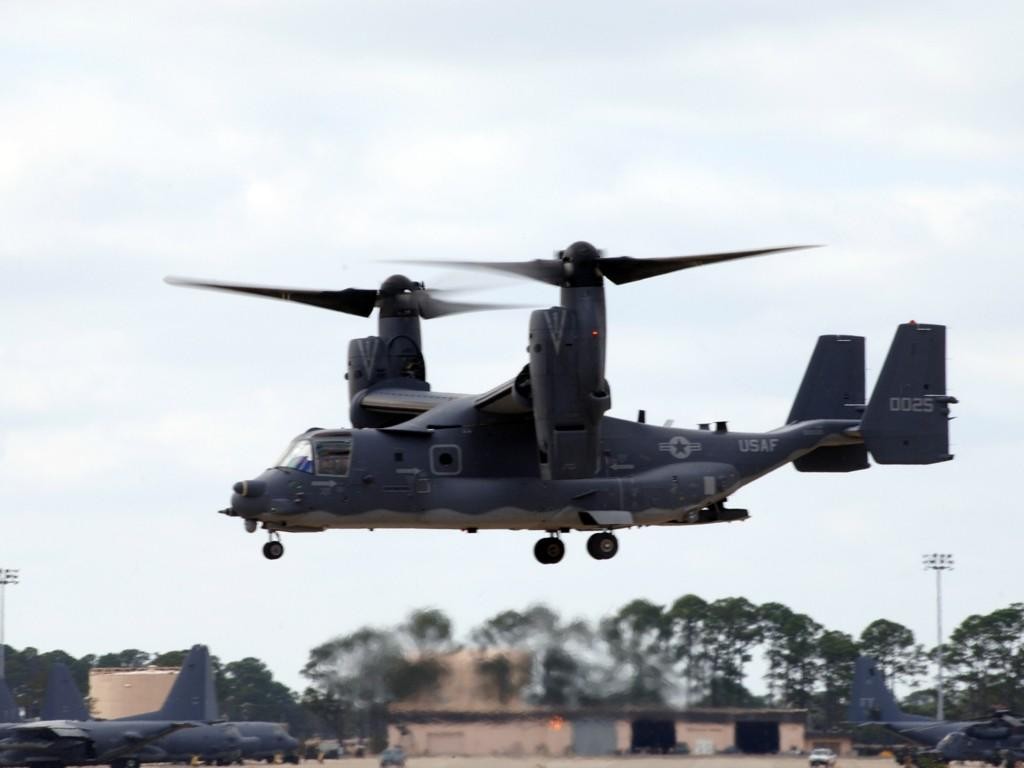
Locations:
538 452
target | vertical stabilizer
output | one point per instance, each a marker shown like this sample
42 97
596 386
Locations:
832 388
62 700
907 418
9 712
871 701
192 697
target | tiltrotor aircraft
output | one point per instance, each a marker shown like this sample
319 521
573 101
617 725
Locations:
994 739
538 452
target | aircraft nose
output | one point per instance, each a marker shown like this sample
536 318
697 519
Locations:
252 489
249 500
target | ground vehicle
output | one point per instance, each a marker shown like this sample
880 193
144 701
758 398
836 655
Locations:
822 756
393 756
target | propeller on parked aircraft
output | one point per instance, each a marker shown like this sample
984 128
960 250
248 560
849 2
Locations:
398 295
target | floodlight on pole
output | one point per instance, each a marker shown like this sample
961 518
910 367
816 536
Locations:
7 576
938 562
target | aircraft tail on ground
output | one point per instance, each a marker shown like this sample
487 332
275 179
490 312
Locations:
9 712
63 700
871 701
907 417
192 697
832 388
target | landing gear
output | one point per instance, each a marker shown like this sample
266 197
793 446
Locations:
273 549
602 546
549 550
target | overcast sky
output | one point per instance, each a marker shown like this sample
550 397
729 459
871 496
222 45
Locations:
302 144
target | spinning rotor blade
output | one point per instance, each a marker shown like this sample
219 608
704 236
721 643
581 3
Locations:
545 270
580 258
626 269
430 307
354 301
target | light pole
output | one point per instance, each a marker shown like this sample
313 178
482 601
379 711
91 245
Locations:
7 576
938 562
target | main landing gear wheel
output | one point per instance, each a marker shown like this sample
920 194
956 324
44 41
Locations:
549 550
602 546
273 549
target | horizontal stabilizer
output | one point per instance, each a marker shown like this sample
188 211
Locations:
907 418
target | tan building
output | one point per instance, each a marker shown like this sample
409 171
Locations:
116 692
593 732
477 709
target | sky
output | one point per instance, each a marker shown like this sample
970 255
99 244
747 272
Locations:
308 144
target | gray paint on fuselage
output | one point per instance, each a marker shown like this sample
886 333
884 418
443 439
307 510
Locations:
656 474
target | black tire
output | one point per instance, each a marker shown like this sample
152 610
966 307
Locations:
549 550
273 550
602 546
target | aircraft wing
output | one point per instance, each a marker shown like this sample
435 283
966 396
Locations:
134 740
41 736
502 400
405 401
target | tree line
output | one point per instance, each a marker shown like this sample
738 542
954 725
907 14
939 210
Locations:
691 652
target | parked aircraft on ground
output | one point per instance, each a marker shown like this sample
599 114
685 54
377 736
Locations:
994 739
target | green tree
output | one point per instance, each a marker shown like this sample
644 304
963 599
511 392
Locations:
638 638
686 620
985 656
251 693
731 631
790 643
837 651
900 658
131 658
429 630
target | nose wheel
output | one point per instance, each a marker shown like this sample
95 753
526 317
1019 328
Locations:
602 546
549 550
273 549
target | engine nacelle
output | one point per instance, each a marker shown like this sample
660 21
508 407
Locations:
569 394
372 362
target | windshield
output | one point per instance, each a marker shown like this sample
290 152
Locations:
298 456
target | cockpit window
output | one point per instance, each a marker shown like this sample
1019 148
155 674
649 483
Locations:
333 456
298 456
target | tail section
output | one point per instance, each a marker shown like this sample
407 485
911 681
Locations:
832 388
9 712
63 700
192 697
907 418
870 700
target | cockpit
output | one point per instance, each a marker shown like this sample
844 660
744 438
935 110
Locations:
327 453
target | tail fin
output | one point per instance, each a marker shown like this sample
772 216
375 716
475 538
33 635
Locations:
907 418
192 697
832 388
62 700
870 700
9 712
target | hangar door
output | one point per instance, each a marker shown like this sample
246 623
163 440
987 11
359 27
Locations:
756 737
594 738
